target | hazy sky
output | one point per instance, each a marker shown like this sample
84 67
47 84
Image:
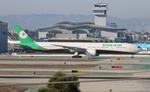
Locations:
117 8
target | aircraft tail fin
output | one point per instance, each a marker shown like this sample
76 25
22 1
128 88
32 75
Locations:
22 35
25 40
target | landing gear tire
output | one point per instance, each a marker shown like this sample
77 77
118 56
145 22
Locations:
76 56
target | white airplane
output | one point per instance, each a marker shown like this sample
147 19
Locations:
90 49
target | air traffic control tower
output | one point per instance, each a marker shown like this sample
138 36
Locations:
100 12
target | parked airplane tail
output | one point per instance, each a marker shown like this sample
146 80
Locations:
22 36
25 40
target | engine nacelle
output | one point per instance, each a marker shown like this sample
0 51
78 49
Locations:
91 52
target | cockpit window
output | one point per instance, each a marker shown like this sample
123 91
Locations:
138 47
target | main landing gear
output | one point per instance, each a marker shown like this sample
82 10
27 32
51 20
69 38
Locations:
76 55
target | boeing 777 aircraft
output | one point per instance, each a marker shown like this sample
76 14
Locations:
88 48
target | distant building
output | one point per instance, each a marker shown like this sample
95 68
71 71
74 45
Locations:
3 37
113 25
42 33
65 34
78 30
129 38
136 37
141 37
109 35
99 30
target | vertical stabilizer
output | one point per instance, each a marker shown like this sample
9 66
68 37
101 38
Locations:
25 40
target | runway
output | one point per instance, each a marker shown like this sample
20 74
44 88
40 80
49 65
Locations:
64 57
117 67
99 74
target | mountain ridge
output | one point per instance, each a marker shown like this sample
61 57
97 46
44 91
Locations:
34 21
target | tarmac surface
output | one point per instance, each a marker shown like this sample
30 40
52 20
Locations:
31 69
46 65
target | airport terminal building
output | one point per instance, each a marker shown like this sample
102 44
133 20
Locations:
3 37
81 31
100 29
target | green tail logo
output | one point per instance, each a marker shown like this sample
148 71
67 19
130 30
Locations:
25 40
22 36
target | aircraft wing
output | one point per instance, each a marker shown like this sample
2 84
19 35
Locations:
77 49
